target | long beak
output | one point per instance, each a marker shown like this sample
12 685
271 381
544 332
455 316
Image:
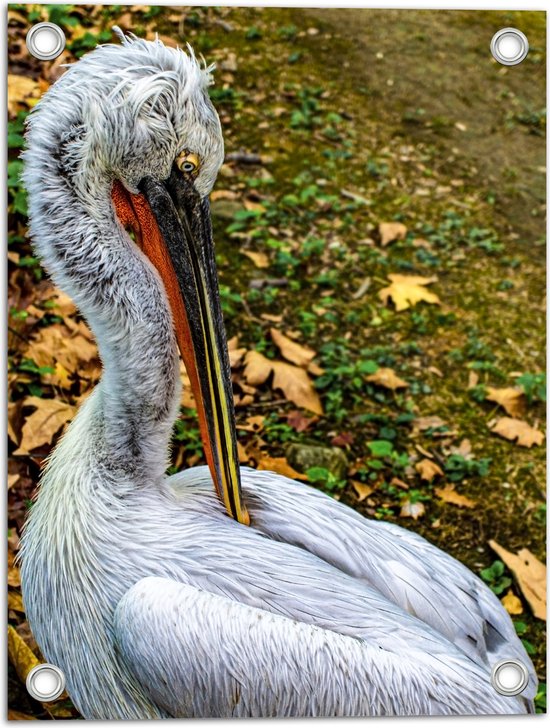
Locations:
183 254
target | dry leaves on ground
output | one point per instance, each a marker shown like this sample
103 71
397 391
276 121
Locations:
412 510
428 470
292 351
20 654
509 398
530 574
44 423
390 231
291 380
387 378
449 495
518 430
407 291
260 260
281 466
362 490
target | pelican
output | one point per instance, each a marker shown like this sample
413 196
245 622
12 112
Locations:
218 591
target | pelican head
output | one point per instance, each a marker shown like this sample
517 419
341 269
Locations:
129 133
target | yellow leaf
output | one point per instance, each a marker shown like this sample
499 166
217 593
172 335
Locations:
21 656
407 291
363 491
390 231
293 381
260 260
511 603
449 495
291 350
44 423
281 466
20 90
530 574
512 429
428 469
15 602
509 398
387 378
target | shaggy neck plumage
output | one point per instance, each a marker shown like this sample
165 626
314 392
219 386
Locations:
120 294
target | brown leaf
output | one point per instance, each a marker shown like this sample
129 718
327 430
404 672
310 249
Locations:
253 424
407 291
299 422
13 478
387 378
426 423
511 603
512 429
235 353
293 381
428 470
281 466
530 574
412 510
260 260
20 655
510 398
242 454
291 350
43 424
390 231
363 491
449 495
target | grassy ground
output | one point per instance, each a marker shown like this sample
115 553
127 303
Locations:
360 118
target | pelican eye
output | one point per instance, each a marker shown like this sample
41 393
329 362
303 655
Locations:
188 163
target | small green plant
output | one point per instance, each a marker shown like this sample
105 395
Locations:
534 386
458 467
495 577
324 479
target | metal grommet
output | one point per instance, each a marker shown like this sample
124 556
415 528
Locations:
45 682
509 46
509 677
45 41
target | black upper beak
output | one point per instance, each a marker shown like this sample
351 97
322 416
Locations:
183 218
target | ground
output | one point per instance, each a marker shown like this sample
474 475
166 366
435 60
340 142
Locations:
337 123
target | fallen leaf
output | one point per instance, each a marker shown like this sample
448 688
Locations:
260 260
387 378
509 398
15 602
253 424
473 379
449 495
236 353
293 381
512 429
16 715
363 491
390 231
43 424
21 89
21 656
291 350
281 466
412 510
530 574
407 291
428 470
242 454
512 603
427 423
299 422
13 478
